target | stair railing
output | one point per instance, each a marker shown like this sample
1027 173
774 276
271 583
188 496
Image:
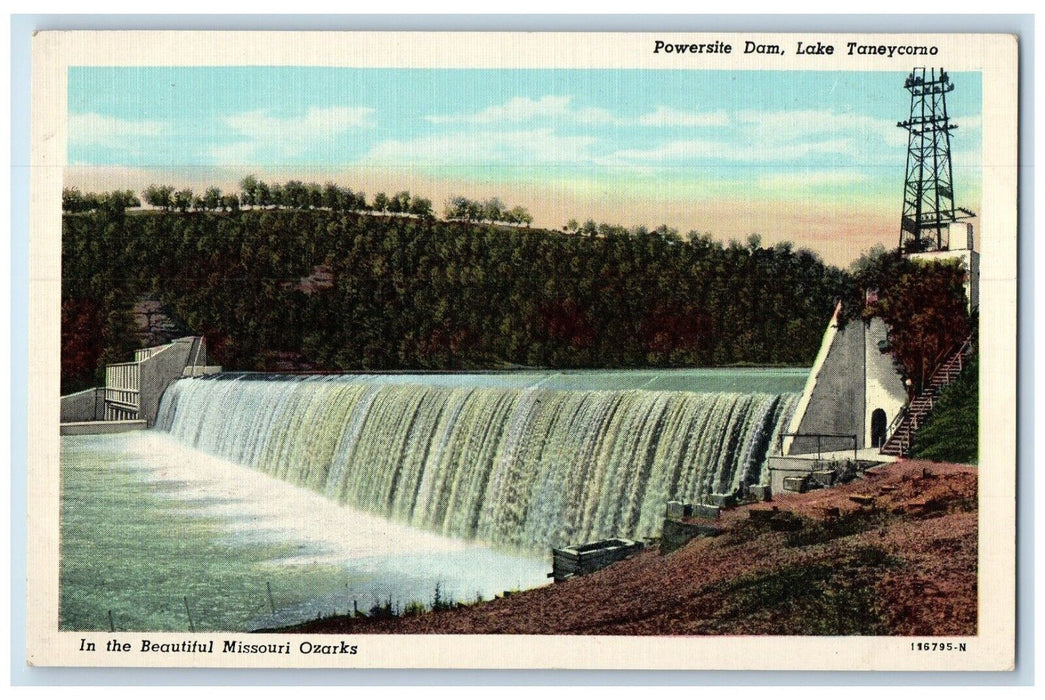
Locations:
960 353
895 425
929 392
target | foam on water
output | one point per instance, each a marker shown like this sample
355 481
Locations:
149 523
257 507
499 458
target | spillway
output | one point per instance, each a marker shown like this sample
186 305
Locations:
521 463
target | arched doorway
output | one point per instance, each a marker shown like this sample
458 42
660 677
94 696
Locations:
878 427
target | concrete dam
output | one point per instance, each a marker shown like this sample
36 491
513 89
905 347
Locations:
502 460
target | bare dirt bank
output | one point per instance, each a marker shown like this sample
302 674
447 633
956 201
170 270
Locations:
894 554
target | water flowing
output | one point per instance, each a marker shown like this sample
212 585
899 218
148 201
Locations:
520 466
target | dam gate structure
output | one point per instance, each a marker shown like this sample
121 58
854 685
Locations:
855 387
130 399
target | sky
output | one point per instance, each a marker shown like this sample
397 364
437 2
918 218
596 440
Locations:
811 157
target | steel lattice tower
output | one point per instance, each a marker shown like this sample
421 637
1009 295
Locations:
928 203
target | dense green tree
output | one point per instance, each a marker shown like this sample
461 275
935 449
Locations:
273 196
315 195
81 343
73 200
262 195
212 198
399 203
923 302
160 196
249 191
332 287
421 207
332 196
380 202
183 199
518 216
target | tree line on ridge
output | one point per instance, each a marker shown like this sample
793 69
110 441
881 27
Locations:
313 281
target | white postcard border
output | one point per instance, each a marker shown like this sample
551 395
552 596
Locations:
994 55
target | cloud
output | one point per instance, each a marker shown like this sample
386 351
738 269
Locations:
528 147
92 129
668 116
561 108
317 122
795 125
523 109
741 150
259 132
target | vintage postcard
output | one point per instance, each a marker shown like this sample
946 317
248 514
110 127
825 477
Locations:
523 350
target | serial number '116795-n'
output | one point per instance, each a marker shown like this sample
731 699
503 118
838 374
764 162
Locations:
937 646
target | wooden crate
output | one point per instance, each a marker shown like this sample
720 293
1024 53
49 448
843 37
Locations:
581 559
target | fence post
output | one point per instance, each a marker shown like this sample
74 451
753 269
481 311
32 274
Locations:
192 627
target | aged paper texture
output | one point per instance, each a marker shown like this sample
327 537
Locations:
505 350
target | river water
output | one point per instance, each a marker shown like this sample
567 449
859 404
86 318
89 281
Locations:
316 496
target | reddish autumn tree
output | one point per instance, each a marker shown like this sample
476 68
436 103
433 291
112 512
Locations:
926 309
81 344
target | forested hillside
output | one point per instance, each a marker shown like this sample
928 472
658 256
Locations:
304 286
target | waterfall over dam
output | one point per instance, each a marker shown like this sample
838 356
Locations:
517 464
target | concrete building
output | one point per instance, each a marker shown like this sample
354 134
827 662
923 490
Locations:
855 398
960 245
853 392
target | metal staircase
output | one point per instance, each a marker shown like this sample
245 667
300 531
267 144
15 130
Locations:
906 424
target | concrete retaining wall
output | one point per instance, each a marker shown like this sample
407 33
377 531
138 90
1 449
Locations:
88 405
781 468
101 427
158 371
155 369
580 560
